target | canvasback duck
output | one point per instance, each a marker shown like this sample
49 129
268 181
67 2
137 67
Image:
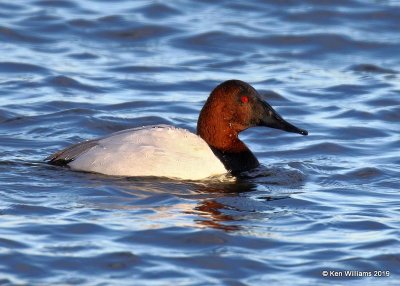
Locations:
167 151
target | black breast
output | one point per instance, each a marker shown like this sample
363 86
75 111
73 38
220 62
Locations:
237 162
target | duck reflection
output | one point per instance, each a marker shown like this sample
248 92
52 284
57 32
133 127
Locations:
226 205
212 216
212 212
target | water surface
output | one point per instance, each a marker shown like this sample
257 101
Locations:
74 70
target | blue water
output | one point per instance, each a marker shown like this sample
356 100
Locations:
73 70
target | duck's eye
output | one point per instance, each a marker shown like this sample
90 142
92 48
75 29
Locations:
244 99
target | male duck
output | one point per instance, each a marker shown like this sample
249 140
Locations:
167 151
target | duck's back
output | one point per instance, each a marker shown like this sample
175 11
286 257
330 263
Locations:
161 151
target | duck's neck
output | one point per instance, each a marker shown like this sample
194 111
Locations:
224 142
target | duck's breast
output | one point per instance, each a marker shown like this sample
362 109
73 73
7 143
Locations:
161 151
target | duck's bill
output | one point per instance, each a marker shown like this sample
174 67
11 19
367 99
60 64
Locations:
273 120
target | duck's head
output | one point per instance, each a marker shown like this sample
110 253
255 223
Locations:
234 106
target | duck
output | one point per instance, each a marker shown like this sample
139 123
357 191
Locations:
176 153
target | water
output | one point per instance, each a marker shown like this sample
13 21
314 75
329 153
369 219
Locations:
73 70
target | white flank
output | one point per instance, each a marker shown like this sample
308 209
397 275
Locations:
161 151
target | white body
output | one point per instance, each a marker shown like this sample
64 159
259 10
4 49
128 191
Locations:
161 151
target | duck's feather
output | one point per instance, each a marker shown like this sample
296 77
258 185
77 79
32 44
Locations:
70 153
162 151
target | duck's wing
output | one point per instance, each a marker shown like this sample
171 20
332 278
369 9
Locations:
70 153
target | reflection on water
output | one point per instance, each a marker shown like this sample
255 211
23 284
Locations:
227 205
211 215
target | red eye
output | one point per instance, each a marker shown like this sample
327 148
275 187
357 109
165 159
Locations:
245 99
